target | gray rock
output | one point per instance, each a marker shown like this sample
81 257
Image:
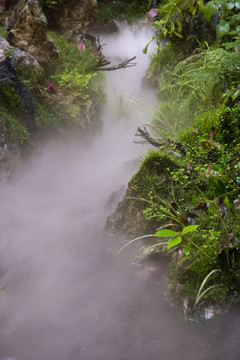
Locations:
27 31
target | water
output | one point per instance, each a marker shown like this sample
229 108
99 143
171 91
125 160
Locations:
64 296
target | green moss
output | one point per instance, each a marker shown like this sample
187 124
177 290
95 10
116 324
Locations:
11 112
3 32
163 60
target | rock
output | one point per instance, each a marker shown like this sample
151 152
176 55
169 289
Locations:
9 76
10 156
105 26
21 60
114 199
27 31
129 218
75 15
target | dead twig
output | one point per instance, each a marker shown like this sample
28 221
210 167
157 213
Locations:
126 63
148 139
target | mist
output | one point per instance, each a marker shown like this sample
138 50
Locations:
64 296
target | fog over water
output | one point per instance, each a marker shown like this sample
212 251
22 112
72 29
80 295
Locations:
64 296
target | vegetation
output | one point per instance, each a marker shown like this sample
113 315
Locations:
11 115
77 88
123 9
196 205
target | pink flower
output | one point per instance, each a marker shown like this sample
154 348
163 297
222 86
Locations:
152 13
81 46
51 87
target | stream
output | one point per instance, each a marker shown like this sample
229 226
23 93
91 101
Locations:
64 296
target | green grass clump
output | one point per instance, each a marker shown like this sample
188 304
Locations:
3 32
11 113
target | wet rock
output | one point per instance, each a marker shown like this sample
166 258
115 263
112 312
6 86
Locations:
75 15
20 60
106 26
9 76
114 199
10 156
27 31
128 217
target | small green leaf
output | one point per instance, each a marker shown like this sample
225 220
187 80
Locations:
186 250
228 202
179 24
210 9
201 6
189 228
177 34
213 209
222 29
174 242
145 50
166 233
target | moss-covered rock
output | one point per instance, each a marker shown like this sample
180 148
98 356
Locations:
152 179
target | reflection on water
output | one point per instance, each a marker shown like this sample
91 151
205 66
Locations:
64 296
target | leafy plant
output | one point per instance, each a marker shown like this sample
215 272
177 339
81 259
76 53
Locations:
201 293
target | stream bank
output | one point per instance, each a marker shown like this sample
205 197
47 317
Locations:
64 295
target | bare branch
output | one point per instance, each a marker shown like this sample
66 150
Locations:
126 63
146 137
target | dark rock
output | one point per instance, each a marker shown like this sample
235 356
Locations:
128 217
8 75
27 31
114 199
75 15
106 26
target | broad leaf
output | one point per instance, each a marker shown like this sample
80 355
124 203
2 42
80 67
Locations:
212 208
166 233
228 202
217 186
210 9
222 29
189 228
201 6
174 242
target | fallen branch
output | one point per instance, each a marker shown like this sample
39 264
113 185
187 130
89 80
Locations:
124 64
148 139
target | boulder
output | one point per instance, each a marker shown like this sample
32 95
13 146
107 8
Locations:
21 60
72 15
9 77
27 31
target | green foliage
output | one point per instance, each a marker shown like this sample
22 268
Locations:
174 14
79 87
3 32
163 60
123 9
11 112
199 107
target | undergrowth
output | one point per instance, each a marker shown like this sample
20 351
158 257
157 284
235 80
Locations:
122 9
199 97
79 88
